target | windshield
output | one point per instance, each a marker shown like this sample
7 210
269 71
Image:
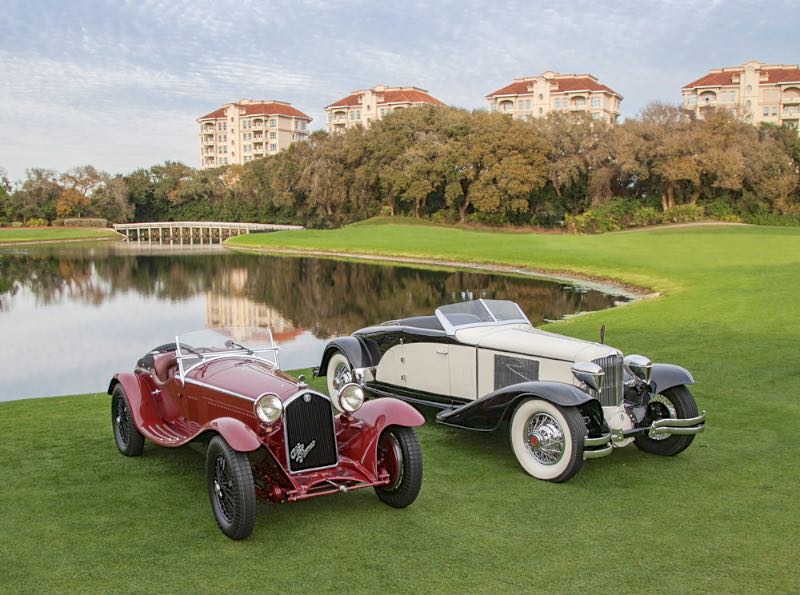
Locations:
479 312
196 346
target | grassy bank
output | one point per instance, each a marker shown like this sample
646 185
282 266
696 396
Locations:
720 517
16 235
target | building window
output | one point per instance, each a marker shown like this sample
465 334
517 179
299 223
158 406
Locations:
273 147
272 123
580 102
273 135
595 102
557 103
766 110
693 99
541 97
596 115
774 110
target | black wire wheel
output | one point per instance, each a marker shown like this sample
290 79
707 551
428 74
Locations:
676 403
400 455
130 441
231 489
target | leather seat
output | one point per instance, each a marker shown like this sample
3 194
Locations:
164 367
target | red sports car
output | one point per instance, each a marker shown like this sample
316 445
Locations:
268 434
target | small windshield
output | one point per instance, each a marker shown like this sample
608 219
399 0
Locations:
479 312
207 343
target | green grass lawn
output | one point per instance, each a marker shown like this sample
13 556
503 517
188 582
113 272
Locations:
721 517
11 235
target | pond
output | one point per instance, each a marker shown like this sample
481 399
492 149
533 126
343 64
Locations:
71 315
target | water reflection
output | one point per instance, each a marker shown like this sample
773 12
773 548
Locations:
89 311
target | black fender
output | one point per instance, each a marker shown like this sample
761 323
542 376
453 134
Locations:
353 347
486 413
666 376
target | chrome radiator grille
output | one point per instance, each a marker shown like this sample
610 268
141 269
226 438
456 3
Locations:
611 384
310 436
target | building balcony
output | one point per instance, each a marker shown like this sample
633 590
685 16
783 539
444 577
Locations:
791 113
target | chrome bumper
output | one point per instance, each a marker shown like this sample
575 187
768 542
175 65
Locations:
594 448
679 427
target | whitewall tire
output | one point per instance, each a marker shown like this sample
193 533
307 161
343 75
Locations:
548 440
338 373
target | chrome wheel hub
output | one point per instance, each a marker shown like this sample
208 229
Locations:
544 439
667 408
343 375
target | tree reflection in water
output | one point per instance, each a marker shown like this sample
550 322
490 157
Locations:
90 311
326 297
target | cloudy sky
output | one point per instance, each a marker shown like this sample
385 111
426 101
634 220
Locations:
118 84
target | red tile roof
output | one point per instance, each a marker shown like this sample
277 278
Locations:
265 108
389 96
580 83
721 79
217 113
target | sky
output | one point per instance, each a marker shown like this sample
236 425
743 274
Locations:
119 84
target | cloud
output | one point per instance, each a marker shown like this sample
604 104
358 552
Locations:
120 84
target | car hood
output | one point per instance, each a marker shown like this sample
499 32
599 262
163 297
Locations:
245 376
526 340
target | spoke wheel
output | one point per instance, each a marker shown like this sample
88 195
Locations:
231 489
677 403
400 455
544 439
338 373
130 441
547 439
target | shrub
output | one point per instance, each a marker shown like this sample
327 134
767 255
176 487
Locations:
85 222
722 211
57 223
36 222
684 214
3 222
16 224
787 220
644 216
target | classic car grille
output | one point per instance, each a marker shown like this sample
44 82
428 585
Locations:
310 437
611 383
513 370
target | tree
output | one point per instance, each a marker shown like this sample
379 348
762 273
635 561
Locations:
36 197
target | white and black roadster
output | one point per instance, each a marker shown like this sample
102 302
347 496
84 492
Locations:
482 361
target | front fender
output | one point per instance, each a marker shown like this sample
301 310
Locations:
376 415
666 376
386 411
236 433
352 347
486 413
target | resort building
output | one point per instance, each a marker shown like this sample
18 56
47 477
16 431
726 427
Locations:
367 105
536 96
755 91
246 130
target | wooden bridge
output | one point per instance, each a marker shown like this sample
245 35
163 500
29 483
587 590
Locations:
191 232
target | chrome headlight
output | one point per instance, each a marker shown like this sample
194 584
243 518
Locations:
639 366
350 398
589 373
268 408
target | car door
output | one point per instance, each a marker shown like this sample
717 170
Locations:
426 366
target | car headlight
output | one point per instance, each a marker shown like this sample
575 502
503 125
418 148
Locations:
268 408
351 398
640 366
589 373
